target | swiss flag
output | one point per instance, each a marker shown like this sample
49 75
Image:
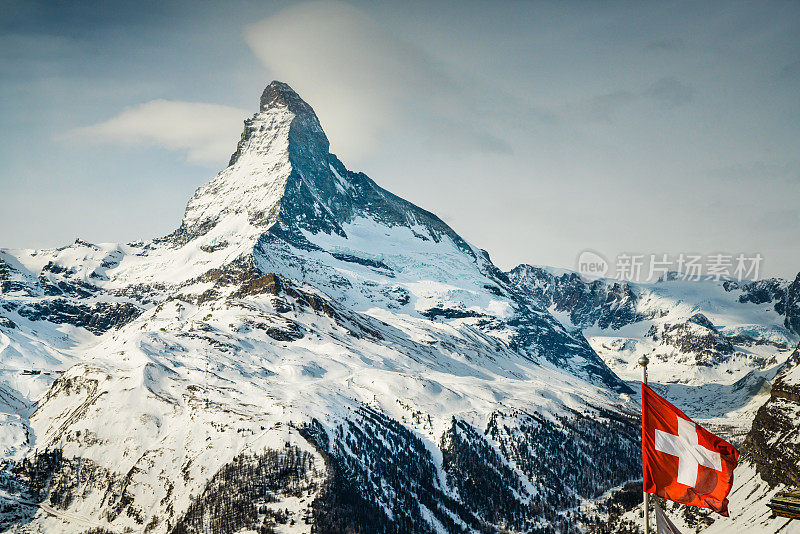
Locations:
681 461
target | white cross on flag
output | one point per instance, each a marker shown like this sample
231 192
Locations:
682 461
686 447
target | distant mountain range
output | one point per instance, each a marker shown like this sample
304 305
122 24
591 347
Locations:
694 332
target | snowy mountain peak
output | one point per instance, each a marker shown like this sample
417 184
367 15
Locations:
305 131
300 303
279 94
284 138
281 105
282 172
309 352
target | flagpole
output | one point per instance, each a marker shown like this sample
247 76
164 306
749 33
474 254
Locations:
643 361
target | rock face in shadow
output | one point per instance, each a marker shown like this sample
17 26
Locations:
773 443
792 306
607 305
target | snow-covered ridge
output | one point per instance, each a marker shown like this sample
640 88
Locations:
694 332
727 353
309 330
298 308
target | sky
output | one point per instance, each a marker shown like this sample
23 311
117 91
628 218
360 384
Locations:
537 130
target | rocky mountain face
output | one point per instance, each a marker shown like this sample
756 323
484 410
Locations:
607 305
695 332
306 353
791 305
773 443
725 352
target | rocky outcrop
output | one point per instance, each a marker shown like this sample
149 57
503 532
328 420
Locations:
696 336
784 296
773 443
97 318
607 305
771 290
792 306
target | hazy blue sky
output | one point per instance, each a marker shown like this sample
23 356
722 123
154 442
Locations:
536 130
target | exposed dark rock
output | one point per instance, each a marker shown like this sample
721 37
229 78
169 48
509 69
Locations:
698 336
285 330
54 268
361 261
5 270
759 291
8 284
184 233
607 305
792 307
98 318
269 284
68 288
240 271
744 340
449 313
399 295
773 443
214 247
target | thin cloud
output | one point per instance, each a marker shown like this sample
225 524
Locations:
364 81
670 91
205 132
604 108
601 108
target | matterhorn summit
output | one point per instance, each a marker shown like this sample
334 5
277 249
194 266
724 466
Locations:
307 352
282 149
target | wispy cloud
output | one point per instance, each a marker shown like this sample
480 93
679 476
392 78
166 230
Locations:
363 80
205 132
670 91
600 108
605 107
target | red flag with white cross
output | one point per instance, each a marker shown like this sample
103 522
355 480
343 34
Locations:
681 461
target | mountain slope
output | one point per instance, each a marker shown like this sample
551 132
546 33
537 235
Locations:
305 352
694 332
725 352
